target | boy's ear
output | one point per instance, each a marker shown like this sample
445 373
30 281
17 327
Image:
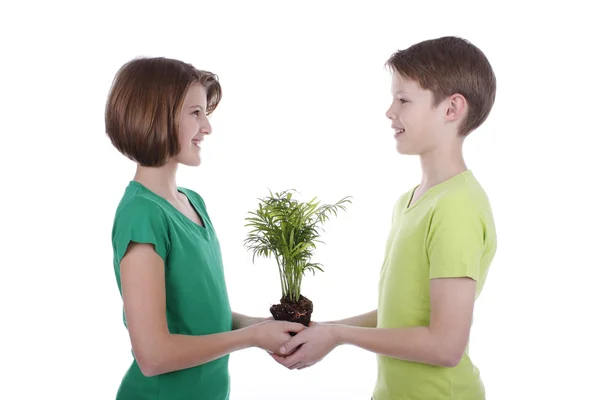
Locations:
456 107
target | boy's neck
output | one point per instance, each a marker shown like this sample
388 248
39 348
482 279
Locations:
439 166
160 180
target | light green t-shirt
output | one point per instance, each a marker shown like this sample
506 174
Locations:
197 302
448 232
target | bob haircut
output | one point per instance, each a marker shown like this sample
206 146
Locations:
144 103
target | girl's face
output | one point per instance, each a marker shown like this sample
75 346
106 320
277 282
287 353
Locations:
193 125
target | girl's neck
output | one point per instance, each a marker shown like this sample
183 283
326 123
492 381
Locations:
160 180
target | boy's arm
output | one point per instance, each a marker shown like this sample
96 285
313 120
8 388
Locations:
455 243
366 320
441 343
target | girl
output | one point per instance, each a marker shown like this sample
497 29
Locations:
167 258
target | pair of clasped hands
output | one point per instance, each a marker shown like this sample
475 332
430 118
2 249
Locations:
306 347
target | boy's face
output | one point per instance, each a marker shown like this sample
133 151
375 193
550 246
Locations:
418 124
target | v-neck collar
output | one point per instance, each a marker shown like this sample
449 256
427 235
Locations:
408 206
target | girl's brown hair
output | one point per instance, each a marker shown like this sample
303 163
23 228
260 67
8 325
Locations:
144 103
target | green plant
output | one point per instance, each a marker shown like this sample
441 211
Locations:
288 230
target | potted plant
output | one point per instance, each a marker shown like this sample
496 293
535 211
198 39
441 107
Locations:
288 230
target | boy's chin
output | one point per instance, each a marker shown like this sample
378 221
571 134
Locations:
404 151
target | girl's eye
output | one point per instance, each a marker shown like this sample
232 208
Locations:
402 101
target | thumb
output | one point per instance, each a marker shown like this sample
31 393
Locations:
289 345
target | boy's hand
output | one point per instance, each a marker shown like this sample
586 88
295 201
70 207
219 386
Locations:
308 347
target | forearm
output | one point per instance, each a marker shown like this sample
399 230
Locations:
177 352
367 320
416 344
240 321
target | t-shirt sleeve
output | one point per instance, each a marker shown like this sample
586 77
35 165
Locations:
455 241
140 221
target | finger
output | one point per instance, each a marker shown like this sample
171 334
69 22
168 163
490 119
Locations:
305 366
291 344
296 365
293 351
278 358
288 361
294 327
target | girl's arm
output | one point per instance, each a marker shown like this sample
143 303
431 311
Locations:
156 350
243 321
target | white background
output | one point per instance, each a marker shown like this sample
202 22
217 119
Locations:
305 93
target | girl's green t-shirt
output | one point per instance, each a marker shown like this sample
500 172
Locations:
197 302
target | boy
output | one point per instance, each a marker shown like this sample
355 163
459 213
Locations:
442 240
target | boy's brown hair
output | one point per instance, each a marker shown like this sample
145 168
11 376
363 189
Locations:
144 103
447 66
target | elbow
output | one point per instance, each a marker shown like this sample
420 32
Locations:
449 349
151 354
449 361
149 370
149 362
149 365
451 356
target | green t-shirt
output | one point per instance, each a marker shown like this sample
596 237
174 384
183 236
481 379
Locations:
197 302
448 232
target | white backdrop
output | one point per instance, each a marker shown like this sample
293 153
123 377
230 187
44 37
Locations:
305 93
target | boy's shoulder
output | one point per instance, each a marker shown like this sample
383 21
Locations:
462 195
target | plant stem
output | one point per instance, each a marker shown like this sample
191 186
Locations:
281 275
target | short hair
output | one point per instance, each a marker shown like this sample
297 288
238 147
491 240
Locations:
144 104
450 65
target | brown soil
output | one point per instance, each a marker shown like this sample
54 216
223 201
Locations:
287 310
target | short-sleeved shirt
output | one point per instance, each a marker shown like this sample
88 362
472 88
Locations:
449 232
197 302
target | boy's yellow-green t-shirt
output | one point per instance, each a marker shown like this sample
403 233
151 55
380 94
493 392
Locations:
448 232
